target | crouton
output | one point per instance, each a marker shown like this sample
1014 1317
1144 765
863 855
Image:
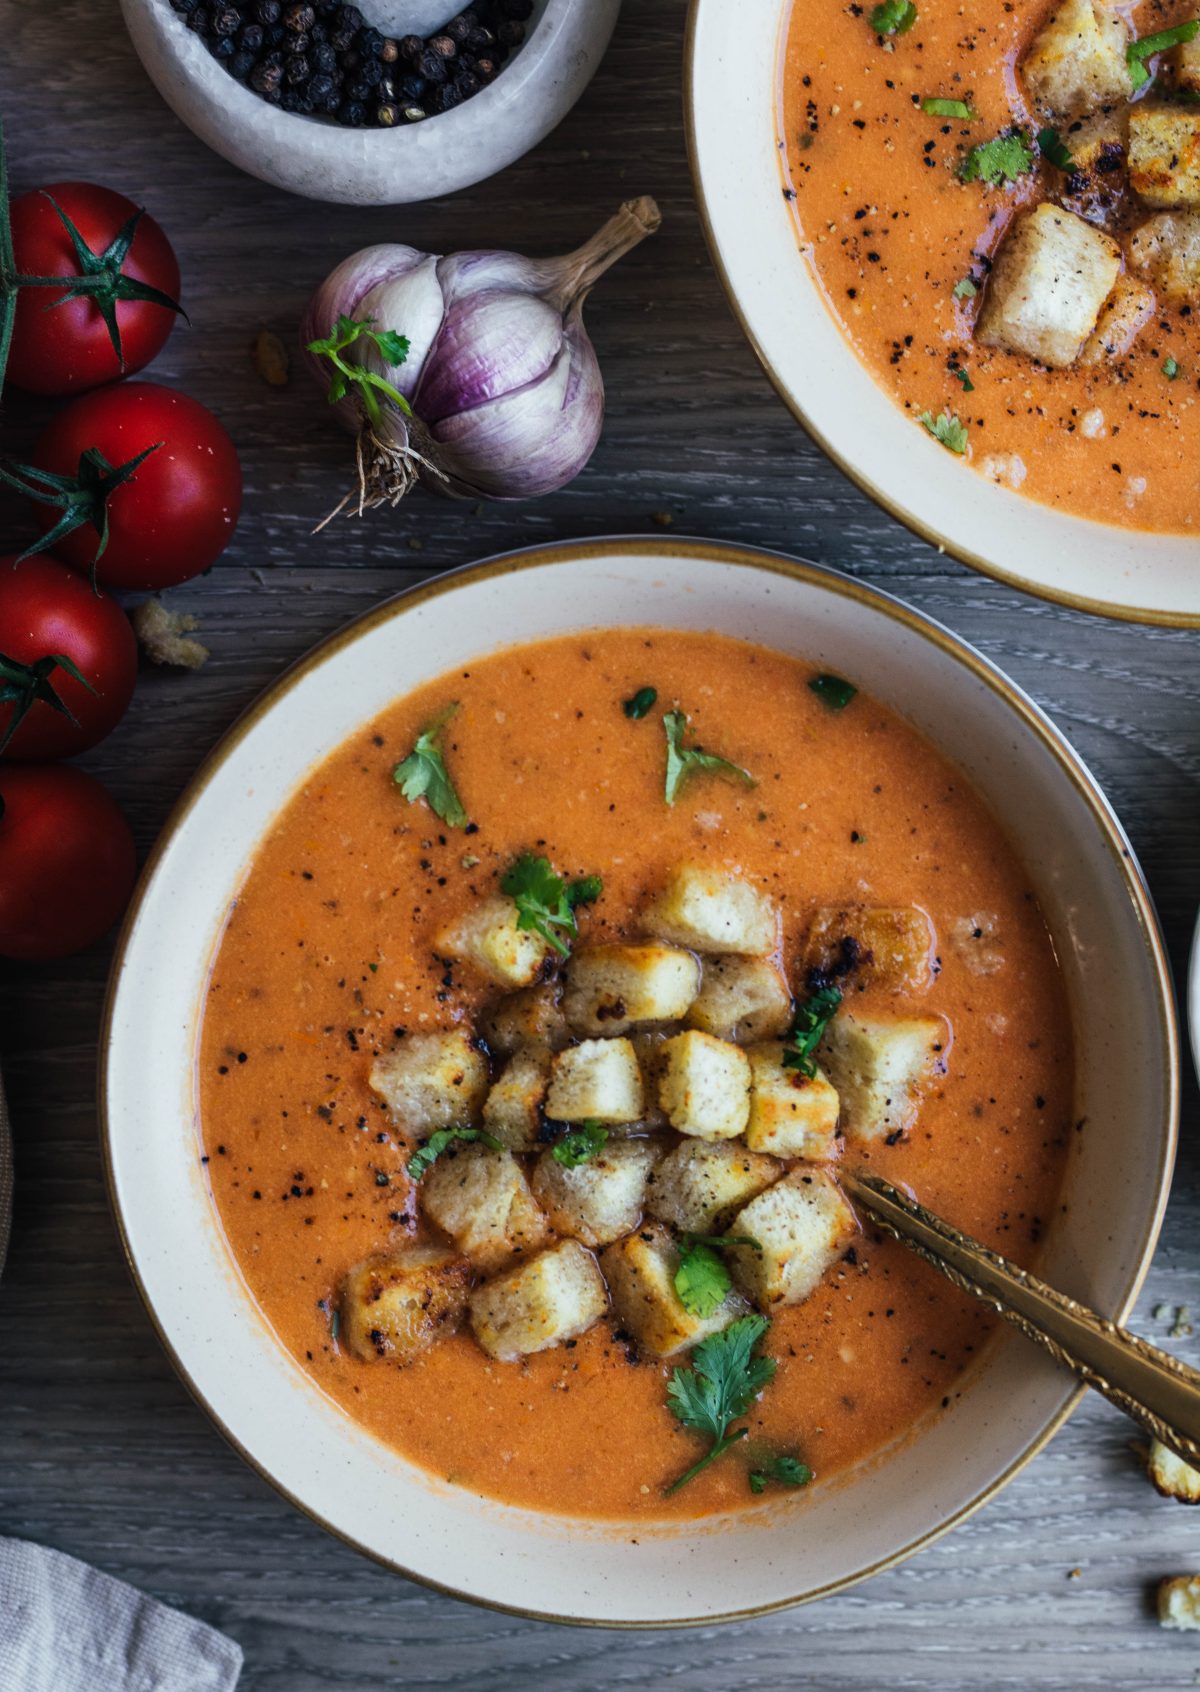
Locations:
1179 1602
432 1081
512 1111
532 1017
1164 154
650 1047
1166 250
1076 62
705 1086
700 1186
711 911
553 1297
879 1068
482 1200
802 1225
1126 313
599 1200
398 1305
1094 187
1171 1476
489 938
1051 275
1185 64
640 1271
611 989
791 1114
742 999
597 1080
890 947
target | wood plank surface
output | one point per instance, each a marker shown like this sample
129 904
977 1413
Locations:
102 1452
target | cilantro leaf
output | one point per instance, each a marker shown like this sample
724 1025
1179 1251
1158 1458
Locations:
893 17
544 901
354 377
960 370
833 691
947 429
808 1029
702 1281
725 1378
580 1145
966 289
436 1144
1052 146
949 108
1170 368
789 1471
1003 159
1138 52
683 761
642 701
423 774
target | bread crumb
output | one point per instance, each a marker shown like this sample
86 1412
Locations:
164 635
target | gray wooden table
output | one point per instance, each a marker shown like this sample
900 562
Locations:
102 1453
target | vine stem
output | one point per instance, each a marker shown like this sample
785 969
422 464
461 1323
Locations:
718 1450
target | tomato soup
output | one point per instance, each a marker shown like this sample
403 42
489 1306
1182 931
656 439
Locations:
329 958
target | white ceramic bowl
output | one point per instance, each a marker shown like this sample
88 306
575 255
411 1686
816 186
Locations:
1120 1164
421 161
734 69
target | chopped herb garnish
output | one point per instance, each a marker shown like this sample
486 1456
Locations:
893 17
833 691
960 370
789 1471
950 109
808 1029
725 1378
423 774
335 1325
947 429
1003 159
1052 147
580 1145
966 289
544 901
1170 368
356 377
642 701
436 1144
702 1281
1138 52
683 761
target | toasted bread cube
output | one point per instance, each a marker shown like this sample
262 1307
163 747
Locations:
482 1200
432 1081
1094 188
791 1115
553 1297
401 1303
599 1200
611 989
1076 62
489 938
598 1081
742 999
879 1067
1179 1602
701 1185
1185 63
1166 250
1164 154
640 1271
512 1112
1126 313
802 1225
650 1046
705 1086
886 946
1171 1476
712 911
1052 274
532 1017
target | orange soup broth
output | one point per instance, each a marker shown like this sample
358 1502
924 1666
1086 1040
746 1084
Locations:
327 956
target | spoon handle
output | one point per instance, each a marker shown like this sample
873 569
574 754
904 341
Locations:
1161 1394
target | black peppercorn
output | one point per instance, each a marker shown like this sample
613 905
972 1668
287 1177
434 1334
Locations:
511 33
467 83
386 115
457 29
479 38
389 52
273 34
410 46
241 64
198 20
223 47
357 92
267 77
324 60
267 11
412 88
184 5
250 37
446 97
224 20
486 68
320 87
432 66
296 69
299 18
443 46
352 113
349 17
371 72
369 43
414 114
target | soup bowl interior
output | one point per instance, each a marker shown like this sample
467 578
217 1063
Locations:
1097 1249
735 71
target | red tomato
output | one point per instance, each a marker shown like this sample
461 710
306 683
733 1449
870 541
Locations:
177 511
65 348
48 611
67 861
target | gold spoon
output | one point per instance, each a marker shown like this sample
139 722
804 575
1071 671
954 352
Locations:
1161 1394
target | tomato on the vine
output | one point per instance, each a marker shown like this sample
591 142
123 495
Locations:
67 860
68 661
98 290
139 484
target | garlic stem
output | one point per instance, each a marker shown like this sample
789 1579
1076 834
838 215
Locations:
578 272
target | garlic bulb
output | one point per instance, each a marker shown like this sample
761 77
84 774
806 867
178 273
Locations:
499 395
